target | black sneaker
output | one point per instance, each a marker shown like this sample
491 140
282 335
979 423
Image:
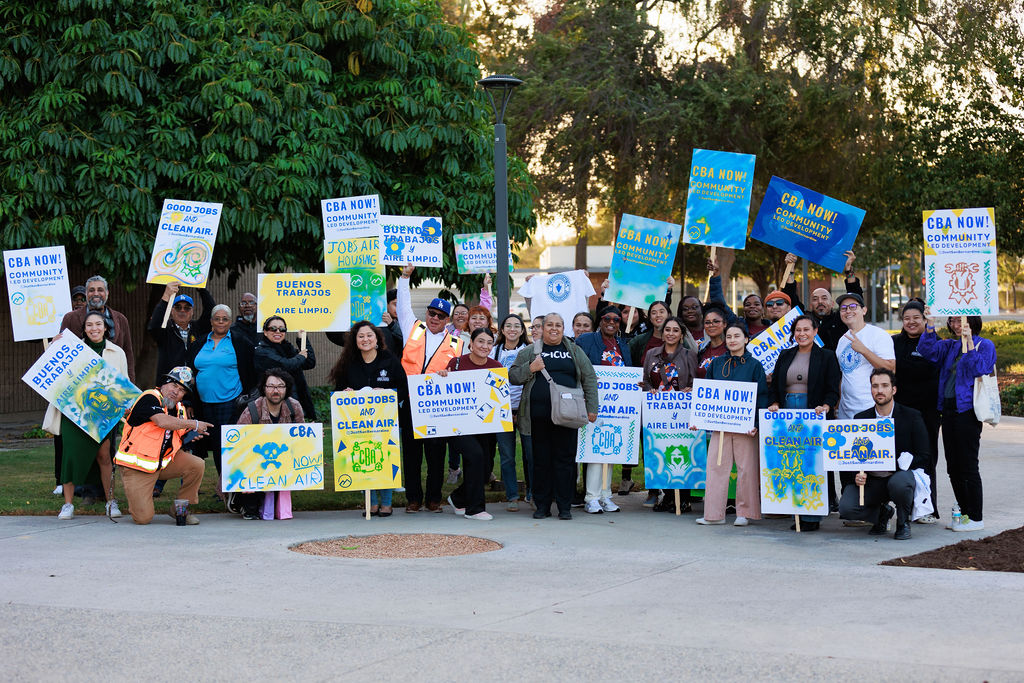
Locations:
565 514
882 525
250 515
902 533
232 504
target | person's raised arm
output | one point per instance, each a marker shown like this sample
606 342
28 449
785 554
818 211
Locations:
406 318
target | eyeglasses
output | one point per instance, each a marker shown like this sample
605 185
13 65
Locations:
277 386
274 328
486 341
246 304
436 314
849 307
775 302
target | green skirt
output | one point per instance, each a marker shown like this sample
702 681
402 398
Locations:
79 464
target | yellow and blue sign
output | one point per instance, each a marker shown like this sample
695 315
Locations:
360 258
464 402
414 240
366 440
314 302
183 249
807 223
269 457
718 200
38 291
792 462
642 261
675 457
615 436
860 446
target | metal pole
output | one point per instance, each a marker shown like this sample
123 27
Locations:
501 219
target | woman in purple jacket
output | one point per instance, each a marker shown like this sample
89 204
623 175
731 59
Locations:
961 429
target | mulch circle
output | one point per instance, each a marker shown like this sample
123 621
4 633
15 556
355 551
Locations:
397 546
1000 553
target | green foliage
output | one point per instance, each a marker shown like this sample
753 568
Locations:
109 106
36 432
1013 400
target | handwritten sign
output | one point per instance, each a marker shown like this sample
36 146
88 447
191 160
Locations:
269 457
314 302
183 250
38 291
615 436
807 223
718 200
84 387
792 463
346 217
642 260
767 346
478 253
675 457
723 406
860 446
412 239
365 430
961 273
464 402
360 258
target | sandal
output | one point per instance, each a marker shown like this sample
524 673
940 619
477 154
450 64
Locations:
385 511
375 510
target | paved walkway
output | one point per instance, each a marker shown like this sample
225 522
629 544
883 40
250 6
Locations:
615 596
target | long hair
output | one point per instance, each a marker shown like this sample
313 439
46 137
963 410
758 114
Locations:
350 352
499 342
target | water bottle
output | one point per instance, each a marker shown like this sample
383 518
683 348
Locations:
955 515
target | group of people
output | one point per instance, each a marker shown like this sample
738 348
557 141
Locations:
216 369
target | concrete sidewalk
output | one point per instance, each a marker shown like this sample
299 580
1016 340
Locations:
628 595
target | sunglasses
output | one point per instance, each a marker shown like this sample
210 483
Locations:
776 302
436 314
611 318
274 328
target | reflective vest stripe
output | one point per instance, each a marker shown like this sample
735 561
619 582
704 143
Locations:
414 357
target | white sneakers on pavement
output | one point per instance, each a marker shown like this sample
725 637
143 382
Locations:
67 511
741 521
458 510
967 524
709 522
112 510
593 507
607 505
480 516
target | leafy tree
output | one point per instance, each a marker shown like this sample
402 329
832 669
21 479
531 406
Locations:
109 106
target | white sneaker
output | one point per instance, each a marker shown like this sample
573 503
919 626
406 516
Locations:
607 505
967 524
59 490
927 519
482 516
112 509
593 507
709 522
67 511
453 475
741 521
458 510
400 489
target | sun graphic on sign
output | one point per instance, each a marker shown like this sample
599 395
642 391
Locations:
176 216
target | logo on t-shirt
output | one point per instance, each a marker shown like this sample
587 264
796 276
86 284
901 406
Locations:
849 360
559 287
555 355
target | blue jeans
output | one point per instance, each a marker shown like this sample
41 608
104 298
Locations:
507 453
381 497
799 402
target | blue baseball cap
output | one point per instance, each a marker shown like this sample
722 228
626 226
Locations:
183 297
441 305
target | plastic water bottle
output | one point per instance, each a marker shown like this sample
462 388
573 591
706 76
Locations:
955 515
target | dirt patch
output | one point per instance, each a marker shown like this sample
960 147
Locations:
1000 553
398 546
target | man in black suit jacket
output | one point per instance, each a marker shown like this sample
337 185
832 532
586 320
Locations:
897 486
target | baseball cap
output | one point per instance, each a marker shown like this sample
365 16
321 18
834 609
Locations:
183 297
441 305
849 295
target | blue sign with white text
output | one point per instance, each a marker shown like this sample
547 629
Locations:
718 201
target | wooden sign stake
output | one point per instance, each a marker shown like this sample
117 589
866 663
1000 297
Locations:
167 314
861 492
678 510
629 320
785 275
302 347
797 523
367 499
721 438
964 345
46 343
605 470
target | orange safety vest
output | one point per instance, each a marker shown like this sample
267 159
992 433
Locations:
140 446
413 357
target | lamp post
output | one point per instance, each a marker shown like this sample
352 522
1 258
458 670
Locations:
499 90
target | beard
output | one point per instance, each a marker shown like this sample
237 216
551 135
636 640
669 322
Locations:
248 317
168 403
97 303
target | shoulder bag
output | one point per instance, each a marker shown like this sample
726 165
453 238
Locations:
986 399
568 404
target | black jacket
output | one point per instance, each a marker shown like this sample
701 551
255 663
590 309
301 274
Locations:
911 434
823 378
385 372
831 328
171 349
247 330
285 356
917 378
244 358
392 337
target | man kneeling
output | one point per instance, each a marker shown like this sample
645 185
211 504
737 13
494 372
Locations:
898 485
151 446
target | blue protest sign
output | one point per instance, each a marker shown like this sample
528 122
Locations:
807 223
718 201
642 261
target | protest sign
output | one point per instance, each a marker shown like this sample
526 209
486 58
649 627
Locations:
360 258
642 260
615 436
767 346
464 402
38 290
723 406
365 437
414 240
807 223
269 457
675 457
183 249
477 253
347 217
90 392
314 302
718 201
961 273
792 464
860 446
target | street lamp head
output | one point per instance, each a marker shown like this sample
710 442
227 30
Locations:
499 90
